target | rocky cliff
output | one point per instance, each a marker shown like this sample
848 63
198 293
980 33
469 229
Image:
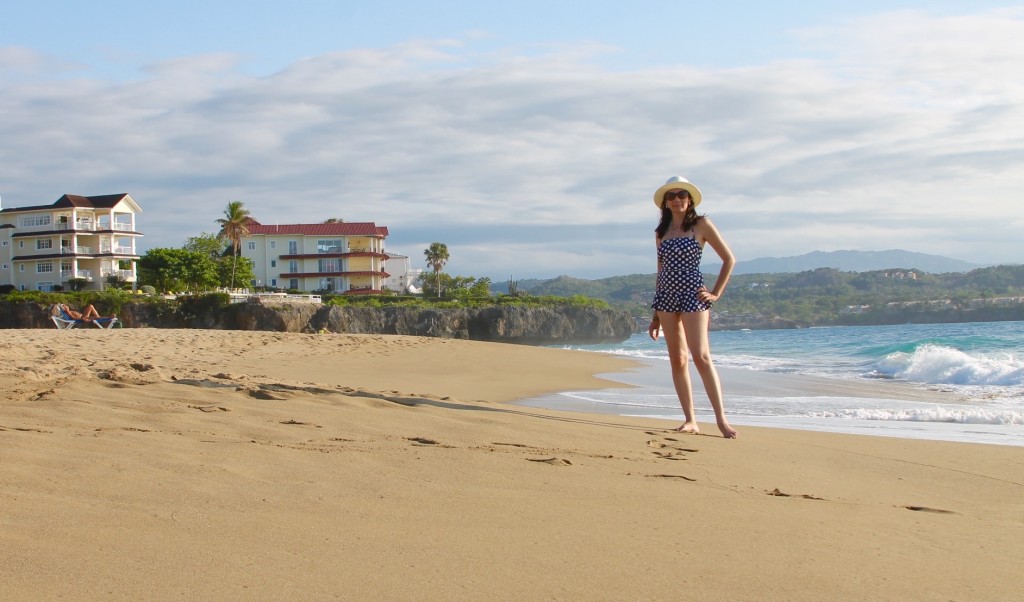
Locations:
547 325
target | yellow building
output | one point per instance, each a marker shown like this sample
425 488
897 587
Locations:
84 240
329 257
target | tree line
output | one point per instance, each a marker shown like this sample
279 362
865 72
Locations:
822 296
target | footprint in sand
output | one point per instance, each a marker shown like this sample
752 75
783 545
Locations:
421 440
424 441
552 461
296 422
265 395
668 455
777 493
927 509
673 476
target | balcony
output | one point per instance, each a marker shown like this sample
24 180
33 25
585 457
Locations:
336 254
125 275
76 250
106 249
287 275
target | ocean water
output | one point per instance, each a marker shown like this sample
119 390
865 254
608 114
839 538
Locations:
957 382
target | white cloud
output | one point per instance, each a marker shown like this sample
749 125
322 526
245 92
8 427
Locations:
909 135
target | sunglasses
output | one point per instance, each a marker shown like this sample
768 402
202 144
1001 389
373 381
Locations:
682 194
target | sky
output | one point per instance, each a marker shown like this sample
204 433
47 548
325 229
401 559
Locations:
530 136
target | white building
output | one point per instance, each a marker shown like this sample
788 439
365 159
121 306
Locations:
333 256
87 238
401 275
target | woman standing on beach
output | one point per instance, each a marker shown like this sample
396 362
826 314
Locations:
682 303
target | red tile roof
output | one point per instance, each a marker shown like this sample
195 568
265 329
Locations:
329 229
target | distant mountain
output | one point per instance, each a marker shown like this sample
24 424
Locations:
849 261
625 287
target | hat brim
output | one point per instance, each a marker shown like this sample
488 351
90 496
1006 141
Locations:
659 195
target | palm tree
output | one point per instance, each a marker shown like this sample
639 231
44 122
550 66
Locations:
437 256
234 226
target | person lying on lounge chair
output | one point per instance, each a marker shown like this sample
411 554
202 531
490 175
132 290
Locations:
88 315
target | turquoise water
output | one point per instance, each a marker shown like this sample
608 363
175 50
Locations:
972 375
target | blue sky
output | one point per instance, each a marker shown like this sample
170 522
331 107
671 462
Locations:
528 136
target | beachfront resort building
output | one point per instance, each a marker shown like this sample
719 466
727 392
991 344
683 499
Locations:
402 276
339 257
83 242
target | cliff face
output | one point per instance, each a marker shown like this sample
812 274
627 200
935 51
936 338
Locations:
507 324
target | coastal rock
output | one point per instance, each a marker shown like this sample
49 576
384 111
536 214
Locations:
506 324
546 325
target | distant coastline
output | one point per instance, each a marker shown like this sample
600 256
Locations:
881 318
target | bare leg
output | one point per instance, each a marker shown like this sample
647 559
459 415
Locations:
695 326
90 312
677 358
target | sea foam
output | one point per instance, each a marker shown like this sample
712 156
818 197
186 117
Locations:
937 364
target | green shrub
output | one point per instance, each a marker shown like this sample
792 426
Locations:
191 307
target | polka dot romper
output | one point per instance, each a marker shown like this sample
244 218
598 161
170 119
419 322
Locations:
680 277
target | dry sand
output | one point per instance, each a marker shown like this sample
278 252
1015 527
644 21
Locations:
211 465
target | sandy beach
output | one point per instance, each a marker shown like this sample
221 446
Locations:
220 465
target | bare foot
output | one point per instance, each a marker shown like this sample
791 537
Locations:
727 431
688 427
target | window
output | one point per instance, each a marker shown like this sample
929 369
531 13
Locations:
252 246
328 265
273 244
293 284
273 263
5 242
44 243
46 287
332 245
21 268
44 267
293 267
21 244
273 282
32 221
6 266
293 247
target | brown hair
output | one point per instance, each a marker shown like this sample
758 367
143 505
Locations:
690 218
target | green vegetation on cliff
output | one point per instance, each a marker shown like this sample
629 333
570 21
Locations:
827 296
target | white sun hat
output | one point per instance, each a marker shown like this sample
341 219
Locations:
677 182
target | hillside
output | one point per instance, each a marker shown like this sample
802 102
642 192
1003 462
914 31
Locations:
827 296
850 261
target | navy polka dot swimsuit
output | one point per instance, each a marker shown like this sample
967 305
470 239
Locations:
680 277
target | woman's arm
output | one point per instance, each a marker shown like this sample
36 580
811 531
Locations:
709 233
655 326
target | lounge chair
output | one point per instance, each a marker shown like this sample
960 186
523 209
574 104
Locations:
63 321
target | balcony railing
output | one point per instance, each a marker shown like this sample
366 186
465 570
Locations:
126 275
79 226
116 250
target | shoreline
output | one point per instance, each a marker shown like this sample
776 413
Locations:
157 464
651 379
